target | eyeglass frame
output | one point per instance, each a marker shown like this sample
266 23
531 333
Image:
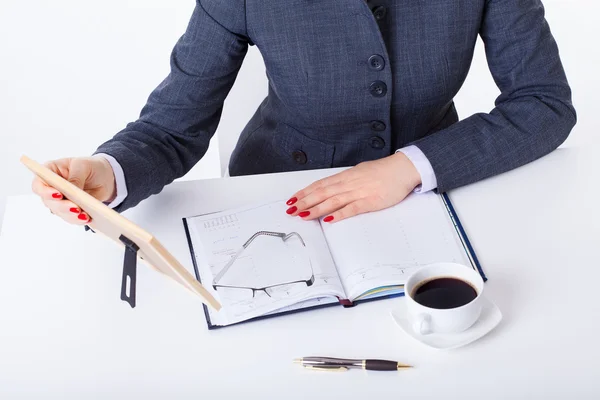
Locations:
309 282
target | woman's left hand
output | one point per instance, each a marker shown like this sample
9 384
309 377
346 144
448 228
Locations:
369 186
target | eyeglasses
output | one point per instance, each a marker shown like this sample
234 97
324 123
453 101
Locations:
240 292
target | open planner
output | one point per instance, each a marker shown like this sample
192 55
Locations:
260 262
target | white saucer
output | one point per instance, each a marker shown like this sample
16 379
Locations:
489 319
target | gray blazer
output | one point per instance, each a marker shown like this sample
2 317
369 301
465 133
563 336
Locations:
350 81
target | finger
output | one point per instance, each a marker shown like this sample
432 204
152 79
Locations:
78 172
59 167
322 194
330 180
46 192
357 207
42 189
332 204
68 211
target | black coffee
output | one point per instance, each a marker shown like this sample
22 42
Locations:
444 293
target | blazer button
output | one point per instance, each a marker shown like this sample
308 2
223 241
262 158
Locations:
378 89
376 142
299 156
376 62
379 12
377 126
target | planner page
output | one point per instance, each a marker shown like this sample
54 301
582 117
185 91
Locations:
382 248
261 260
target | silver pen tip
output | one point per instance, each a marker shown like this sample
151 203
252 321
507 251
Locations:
297 361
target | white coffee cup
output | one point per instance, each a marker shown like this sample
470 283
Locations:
427 320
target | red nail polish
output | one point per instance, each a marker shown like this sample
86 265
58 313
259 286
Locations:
328 219
82 217
291 210
74 210
56 195
291 201
304 214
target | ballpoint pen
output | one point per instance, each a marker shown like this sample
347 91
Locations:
343 364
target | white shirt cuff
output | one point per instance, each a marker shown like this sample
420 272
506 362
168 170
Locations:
119 179
423 166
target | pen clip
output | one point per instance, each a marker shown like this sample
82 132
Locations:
332 368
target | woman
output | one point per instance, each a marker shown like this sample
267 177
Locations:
366 84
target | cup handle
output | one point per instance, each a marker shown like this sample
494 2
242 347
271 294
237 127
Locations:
422 324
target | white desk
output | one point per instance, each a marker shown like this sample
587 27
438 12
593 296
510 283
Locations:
64 332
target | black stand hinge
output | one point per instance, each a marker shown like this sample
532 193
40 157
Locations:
129 271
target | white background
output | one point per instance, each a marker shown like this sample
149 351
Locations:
73 73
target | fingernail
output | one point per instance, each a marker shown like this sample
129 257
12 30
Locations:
291 201
291 210
328 219
56 195
82 217
74 210
304 214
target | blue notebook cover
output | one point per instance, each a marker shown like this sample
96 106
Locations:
345 303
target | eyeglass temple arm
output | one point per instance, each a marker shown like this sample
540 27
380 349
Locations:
227 266
282 235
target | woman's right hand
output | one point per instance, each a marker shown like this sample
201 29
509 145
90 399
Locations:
92 174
